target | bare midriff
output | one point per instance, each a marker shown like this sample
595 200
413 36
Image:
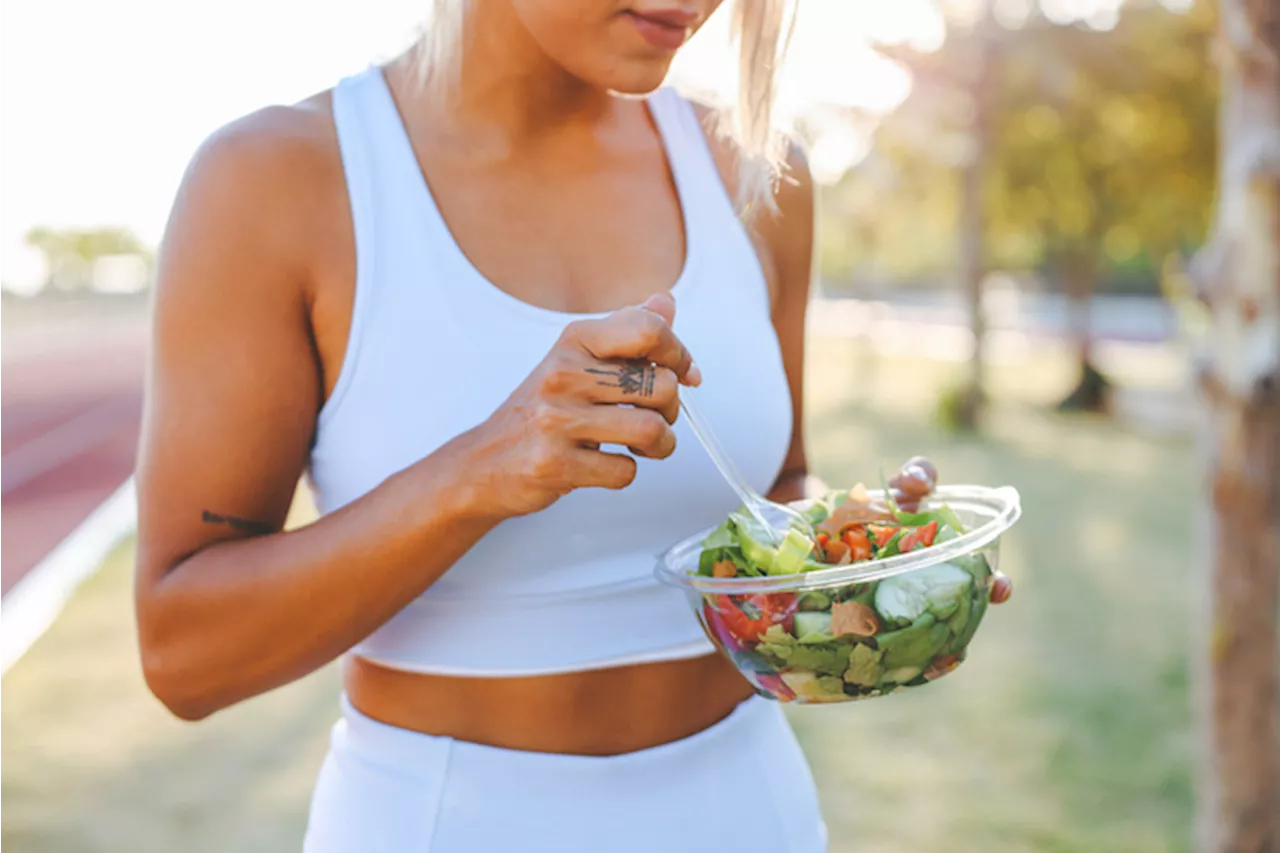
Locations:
594 712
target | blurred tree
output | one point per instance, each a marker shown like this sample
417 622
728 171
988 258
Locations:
1095 146
1237 275
70 253
984 61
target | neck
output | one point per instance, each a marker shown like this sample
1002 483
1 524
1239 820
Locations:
506 88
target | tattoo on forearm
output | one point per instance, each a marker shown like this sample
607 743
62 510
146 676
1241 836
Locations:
241 524
632 379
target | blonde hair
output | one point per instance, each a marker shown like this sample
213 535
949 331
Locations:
760 30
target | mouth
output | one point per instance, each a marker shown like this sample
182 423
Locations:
665 30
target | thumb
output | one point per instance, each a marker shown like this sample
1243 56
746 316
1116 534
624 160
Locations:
661 304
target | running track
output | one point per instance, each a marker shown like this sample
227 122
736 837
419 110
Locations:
72 402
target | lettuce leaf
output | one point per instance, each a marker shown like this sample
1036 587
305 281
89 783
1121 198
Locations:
786 652
724 536
816 688
944 515
864 666
914 645
708 558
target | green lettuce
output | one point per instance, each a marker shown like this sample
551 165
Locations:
864 666
786 652
944 515
914 645
818 688
978 603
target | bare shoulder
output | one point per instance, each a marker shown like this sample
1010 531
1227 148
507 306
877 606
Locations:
783 237
282 143
794 191
262 185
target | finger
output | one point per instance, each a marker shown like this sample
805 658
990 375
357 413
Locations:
635 334
603 470
637 383
1001 588
643 431
663 305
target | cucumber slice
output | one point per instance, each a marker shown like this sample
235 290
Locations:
813 626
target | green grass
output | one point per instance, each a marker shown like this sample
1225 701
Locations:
1066 731
1068 727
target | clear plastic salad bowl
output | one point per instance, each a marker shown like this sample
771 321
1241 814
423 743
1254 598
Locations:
848 632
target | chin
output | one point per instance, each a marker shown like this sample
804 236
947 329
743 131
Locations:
636 81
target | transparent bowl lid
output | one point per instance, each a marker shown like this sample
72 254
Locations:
988 512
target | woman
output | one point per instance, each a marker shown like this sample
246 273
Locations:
413 294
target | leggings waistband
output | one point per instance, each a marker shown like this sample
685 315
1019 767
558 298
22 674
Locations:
416 753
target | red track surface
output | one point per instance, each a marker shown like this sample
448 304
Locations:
70 413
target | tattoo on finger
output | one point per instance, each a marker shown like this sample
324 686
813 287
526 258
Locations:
634 380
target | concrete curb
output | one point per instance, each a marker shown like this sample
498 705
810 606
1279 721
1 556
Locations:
36 600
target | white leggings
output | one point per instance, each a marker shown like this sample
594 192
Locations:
742 785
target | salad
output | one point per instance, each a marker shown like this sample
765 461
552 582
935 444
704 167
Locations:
852 639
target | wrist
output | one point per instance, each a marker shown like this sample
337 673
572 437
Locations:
463 486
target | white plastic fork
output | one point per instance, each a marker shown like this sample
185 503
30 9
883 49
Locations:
775 518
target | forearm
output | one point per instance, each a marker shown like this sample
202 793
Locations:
795 484
242 617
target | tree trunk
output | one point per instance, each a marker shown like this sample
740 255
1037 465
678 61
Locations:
973 220
1092 391
1238 275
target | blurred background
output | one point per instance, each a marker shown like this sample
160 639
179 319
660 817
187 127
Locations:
1010 191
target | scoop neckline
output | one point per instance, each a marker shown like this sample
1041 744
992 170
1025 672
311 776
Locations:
499 297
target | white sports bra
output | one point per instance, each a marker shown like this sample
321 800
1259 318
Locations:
572 587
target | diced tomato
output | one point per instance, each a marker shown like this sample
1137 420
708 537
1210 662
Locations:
719 627
859 544
751 615
928 533
920 536
835 552
883 533
724 569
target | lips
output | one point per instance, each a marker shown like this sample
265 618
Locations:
665 29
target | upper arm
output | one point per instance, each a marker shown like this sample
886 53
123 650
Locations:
789 237
784 242
232 385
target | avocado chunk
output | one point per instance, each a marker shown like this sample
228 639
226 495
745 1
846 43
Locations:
792 553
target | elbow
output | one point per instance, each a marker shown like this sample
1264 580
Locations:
170 669
169 655
173 685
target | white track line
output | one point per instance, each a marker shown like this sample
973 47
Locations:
24 422
35 601
65 441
